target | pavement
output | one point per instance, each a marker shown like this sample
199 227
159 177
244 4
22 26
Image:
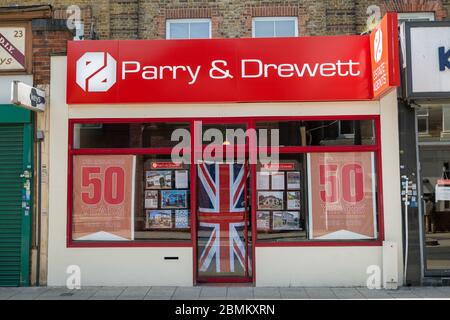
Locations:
218 293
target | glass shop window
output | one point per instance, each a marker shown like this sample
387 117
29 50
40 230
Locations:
130 198
280 200
316 133
319 196
127 135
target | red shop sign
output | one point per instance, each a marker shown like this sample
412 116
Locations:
167 165
327 68
384 57
279 166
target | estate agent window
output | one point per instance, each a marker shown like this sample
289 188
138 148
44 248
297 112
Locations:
124 186
188 29
269 27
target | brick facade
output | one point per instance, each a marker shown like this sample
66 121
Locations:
146 19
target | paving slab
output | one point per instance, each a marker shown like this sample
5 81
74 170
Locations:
347 293
402 293
213 292
320 293
134 293
293 293
237 293
374 293
29 294
189 293
429 292
107 293
160 293
59 293
267 293
219 293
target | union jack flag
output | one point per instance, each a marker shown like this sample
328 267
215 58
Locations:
222 210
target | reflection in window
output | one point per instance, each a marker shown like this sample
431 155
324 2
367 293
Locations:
126 135
321 133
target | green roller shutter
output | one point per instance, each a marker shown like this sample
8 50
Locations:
15 202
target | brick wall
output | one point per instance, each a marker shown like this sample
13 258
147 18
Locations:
49 36
146 19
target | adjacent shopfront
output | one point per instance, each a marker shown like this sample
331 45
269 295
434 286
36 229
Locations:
426 56
265 161
16 190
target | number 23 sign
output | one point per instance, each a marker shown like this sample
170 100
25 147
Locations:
103 197
342 197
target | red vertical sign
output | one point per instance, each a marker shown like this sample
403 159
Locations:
384 55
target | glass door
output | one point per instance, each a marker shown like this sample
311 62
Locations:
223 212
433 126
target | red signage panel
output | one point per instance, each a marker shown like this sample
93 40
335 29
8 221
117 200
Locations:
384 55
219 70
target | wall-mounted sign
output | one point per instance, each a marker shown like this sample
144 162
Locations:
14 47
342 195
27 96
427 59
103 197
219 70
384 55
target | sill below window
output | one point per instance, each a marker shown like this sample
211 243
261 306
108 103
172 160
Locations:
128 244
361 243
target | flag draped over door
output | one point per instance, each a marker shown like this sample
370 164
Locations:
222 211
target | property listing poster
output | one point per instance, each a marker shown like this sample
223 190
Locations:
342 195
103 197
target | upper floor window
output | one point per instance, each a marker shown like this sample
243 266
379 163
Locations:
415 16
274 27
188 29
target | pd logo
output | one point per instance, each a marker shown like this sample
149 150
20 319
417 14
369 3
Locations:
96 71
378 45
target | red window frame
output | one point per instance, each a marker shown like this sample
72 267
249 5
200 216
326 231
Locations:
251 123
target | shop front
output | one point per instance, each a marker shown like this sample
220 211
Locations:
264 161
426 91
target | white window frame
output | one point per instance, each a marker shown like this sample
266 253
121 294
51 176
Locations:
414 16
295 19
188 21
424 116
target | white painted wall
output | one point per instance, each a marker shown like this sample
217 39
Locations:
305 266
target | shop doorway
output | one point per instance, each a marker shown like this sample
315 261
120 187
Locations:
435 168
223 250
433 124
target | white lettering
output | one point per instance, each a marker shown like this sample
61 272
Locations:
193 75
327 69
243 68
125 70
255 68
